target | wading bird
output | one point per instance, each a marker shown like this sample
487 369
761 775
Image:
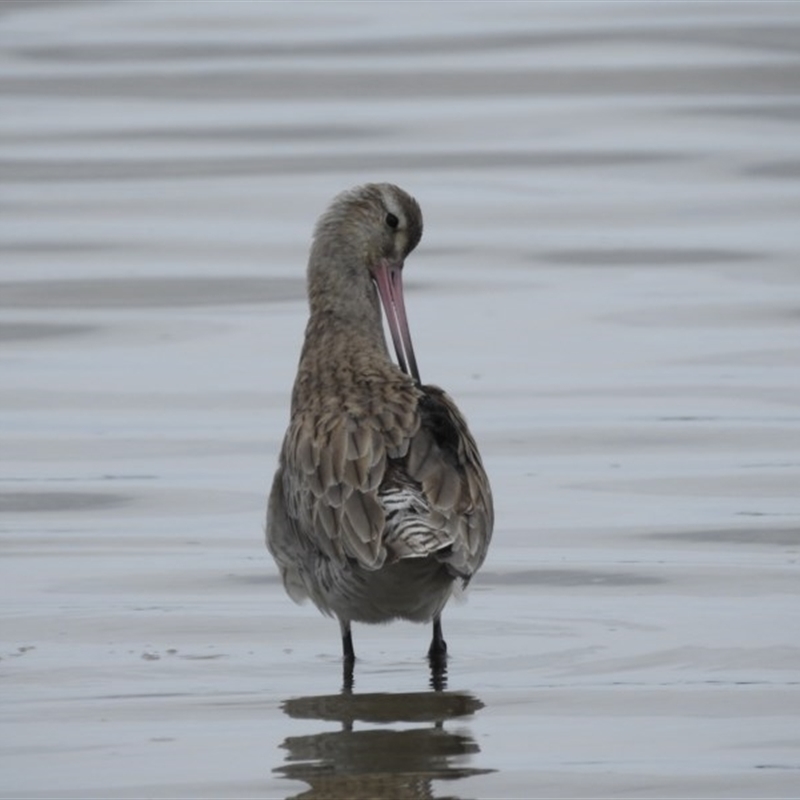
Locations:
380 504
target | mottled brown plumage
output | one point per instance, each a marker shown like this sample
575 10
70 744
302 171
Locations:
380 501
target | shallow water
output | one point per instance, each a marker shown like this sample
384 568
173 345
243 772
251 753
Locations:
608 284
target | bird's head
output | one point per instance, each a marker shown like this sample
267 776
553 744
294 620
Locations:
363 239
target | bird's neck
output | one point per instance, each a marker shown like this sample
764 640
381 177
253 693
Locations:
342 361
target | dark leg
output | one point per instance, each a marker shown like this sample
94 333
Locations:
437 657
348 656
347 676
438 649
347 641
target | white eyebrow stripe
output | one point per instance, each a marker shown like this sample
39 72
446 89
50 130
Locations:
391 204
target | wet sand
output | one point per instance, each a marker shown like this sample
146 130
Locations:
608 284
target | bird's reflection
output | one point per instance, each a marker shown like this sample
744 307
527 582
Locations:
402 748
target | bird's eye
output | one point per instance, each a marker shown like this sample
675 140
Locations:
391 220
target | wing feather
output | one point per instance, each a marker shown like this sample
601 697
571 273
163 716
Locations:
444 460
338 467
334 464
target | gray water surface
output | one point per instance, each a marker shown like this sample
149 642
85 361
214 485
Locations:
608 285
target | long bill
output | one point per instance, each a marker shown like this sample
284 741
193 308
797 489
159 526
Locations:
389 280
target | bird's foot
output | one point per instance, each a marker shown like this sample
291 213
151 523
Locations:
437 657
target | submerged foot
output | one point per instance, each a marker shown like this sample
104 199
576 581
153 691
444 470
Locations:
438 665
438 648
437 657
348 653
347 675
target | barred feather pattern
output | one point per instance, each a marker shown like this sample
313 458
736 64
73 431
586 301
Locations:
410 531
389 537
